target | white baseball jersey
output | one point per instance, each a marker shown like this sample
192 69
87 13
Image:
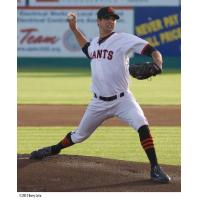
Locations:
110 62
110 77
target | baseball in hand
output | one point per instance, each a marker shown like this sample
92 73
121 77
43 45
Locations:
69 16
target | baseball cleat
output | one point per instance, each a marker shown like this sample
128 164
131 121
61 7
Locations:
158 175
42 153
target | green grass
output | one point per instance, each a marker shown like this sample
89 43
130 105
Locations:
73 87
120 143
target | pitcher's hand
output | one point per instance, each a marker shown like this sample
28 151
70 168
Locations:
71 19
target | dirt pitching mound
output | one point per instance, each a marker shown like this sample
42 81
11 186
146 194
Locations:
70 173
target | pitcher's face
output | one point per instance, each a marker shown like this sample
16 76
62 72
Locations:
106 24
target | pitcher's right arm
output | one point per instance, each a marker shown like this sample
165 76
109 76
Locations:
81 39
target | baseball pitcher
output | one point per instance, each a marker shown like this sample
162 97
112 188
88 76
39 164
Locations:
109 56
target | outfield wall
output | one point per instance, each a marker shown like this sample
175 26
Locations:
169 62
44 38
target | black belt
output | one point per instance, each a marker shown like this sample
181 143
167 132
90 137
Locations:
109 98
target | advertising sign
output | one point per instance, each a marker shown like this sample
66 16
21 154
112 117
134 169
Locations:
45 32
104 3
161 26
21 2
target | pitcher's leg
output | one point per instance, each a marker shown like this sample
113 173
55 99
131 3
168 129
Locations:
147 143
157 174
90 121
52 150
130 111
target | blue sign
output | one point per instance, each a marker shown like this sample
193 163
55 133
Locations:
161 27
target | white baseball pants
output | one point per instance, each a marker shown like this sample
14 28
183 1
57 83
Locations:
126 108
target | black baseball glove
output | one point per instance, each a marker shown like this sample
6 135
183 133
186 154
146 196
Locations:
144 70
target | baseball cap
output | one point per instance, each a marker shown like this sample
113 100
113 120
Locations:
106 12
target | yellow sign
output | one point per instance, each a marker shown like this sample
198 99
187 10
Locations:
161 31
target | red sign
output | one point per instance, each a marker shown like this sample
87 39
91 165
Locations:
29 37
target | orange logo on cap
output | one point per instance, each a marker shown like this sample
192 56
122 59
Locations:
110 10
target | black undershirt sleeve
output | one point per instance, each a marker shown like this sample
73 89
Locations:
85 49
148 50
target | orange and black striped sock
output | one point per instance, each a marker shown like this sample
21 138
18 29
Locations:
65 142
147 144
